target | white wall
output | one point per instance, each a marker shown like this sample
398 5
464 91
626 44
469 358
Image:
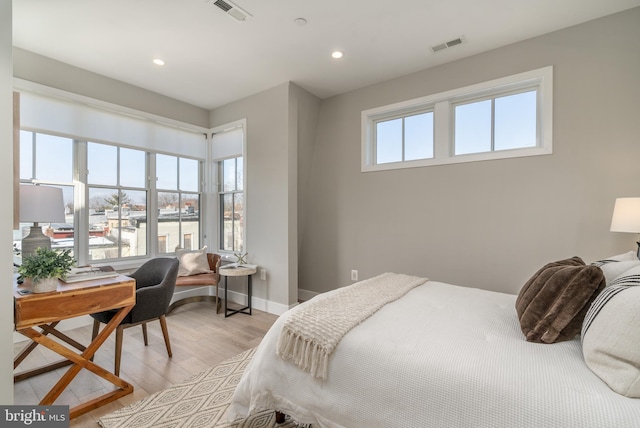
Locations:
6 209
486 224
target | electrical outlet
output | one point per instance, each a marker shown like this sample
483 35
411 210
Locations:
354 275
263 274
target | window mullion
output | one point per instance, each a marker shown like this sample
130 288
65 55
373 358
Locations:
493 124
81 203
152 203
403 142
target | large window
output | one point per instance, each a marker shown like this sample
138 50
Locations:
133 182
106 193
231 203
502 118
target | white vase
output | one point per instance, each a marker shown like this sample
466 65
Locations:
44 285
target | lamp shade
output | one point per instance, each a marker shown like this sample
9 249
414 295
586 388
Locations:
41 204
626 215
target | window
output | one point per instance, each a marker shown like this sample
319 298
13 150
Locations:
48 160
103 157
117 202
406 138
498 123
178 198
227 149
502 118
231 203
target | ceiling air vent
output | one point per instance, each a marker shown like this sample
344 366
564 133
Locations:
232 10
449 44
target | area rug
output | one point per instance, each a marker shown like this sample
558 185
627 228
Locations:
200 401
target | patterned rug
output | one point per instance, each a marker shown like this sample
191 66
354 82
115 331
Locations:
200 401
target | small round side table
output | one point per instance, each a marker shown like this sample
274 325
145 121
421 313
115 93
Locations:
238 270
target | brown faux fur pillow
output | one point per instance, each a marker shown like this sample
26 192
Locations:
552 304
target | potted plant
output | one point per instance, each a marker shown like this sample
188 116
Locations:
44 268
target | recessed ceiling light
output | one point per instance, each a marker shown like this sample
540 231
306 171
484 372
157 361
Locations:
337 54
300 21
158 61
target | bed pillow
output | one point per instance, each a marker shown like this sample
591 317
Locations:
552 304
193 262
613 267
611 335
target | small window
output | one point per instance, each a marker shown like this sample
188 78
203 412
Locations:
502 118
404 138
231 204
499 123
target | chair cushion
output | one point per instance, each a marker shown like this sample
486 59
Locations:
201 279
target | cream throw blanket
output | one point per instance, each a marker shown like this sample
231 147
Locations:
311 334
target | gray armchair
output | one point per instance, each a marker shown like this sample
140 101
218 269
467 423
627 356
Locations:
155 282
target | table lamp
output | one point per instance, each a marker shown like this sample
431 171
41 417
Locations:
39 204
626 217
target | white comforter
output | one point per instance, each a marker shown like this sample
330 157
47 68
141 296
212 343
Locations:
441 356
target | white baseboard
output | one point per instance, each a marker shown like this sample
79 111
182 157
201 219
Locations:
257 303
306 294
185 292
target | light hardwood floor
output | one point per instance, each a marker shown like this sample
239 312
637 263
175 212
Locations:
200 338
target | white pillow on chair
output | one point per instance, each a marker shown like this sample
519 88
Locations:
193 262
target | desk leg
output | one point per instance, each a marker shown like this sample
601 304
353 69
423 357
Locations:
81 361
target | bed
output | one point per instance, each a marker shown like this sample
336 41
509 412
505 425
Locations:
440 356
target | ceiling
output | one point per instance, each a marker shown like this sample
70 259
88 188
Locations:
212 59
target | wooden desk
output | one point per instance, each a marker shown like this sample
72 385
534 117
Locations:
46 310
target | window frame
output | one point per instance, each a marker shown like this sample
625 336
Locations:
403 115
220 148
182 195
443 104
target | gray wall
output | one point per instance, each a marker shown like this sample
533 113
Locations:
271 193
46 71
485 224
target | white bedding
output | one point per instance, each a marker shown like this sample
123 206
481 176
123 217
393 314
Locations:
441 356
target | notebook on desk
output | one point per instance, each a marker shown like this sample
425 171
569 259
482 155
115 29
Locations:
86 273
